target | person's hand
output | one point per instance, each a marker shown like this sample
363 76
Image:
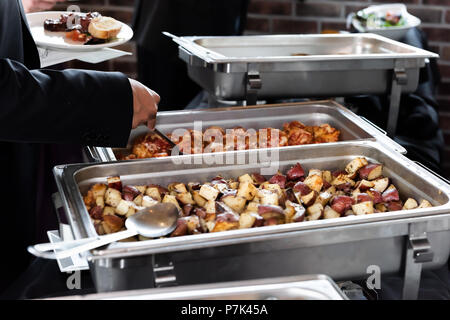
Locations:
145 105
38 5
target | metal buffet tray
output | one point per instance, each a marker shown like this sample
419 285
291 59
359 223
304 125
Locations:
342 248
251 67
333 64
307 287
352 127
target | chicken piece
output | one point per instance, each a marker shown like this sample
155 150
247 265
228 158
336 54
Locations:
191 142
236 139
270 137
297 133
325 133
213 137
150 145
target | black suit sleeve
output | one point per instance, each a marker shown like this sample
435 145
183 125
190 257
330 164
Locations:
70 106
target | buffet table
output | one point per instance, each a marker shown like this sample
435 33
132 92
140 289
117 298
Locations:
400 243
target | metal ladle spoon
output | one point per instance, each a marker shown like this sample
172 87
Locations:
155 221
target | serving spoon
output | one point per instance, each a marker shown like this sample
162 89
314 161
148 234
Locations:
155 221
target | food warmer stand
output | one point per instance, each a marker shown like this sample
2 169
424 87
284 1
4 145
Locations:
297 66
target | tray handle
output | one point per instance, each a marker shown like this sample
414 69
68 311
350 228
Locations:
92 154
432 172
384 138
64 233
374 125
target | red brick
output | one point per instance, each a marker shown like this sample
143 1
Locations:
427 15
257 24
435 49
444 88
445 71
128 3
333 26
273 7
444 104
318 9
447 138
445 53
444 122
447 16
294 26
437 2
437 34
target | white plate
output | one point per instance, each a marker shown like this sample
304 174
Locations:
57 40
395 33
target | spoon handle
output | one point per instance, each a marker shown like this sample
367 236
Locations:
42 247
85 245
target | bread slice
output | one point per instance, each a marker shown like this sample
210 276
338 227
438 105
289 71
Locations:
104 27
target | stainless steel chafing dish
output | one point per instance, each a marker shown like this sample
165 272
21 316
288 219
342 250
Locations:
308 287
343 248
352 127
285 66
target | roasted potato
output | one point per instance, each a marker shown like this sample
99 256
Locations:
226 204
113 197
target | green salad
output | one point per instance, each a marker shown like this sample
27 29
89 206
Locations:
380 20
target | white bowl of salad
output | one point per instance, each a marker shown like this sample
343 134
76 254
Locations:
390 20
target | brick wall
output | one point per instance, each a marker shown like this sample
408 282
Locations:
306 16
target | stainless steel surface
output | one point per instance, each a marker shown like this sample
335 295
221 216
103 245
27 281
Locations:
342 248
418 251
308 287
352 127
306 47
399 79
156 221
365 61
